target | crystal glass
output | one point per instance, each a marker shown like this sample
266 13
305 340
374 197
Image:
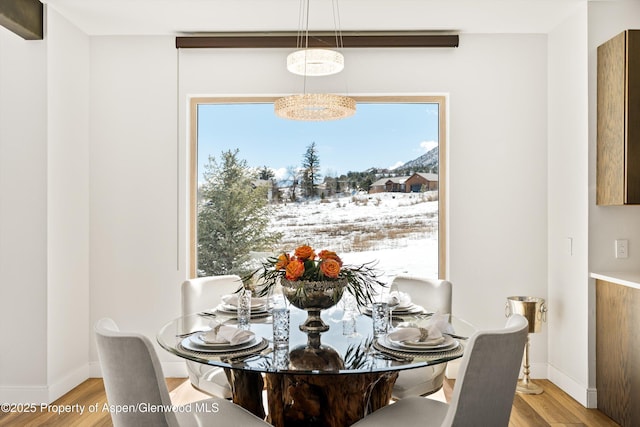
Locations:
281 358
393 300
244 307
350 307
281 324
380 317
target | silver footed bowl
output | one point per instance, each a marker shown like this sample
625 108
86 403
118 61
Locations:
313 296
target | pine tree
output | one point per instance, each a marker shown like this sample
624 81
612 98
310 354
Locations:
311 171
233 217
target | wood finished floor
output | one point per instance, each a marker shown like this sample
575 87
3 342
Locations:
551 408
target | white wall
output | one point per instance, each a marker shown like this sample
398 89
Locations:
568 280
23 218
133 184
67 205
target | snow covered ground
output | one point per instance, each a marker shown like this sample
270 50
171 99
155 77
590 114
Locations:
398 230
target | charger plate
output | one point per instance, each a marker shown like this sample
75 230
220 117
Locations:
197 342
453 353
448 344
412 310
228 311
229 353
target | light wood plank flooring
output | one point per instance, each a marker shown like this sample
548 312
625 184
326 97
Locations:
551 408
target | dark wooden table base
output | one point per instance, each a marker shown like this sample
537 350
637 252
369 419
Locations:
326 400
247 389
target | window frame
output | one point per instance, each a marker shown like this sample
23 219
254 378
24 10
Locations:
441 100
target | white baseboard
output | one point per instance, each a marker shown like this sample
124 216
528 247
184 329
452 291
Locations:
68 382
37 394
94 370
538 370
586 396
44 394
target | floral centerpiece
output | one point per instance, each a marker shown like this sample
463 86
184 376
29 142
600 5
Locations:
314 282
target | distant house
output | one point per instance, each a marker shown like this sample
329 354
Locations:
389 185
405 184
421 182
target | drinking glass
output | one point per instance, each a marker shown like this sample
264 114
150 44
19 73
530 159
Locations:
350 313
280 327
380 317
393 299
281 358
244 307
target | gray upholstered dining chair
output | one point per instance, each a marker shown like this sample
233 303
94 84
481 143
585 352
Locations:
483 393
434 295
198 295
133 376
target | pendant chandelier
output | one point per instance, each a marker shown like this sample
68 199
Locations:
314 62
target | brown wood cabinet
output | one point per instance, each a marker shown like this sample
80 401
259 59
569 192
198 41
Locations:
618 161
618 352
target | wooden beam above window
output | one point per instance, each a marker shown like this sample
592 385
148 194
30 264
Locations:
23 17
397 39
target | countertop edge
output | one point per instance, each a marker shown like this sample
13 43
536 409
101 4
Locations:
630 279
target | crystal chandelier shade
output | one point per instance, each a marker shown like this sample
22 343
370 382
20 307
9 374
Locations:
315 62
315 107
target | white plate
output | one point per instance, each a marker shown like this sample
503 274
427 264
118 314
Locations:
194 343
448 344
412 309
198 339
255 303
232 309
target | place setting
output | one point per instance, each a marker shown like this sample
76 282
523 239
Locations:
400 304
432 340
229 307
225 340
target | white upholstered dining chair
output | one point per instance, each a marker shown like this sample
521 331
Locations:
435 296
483 392
133 376
201 294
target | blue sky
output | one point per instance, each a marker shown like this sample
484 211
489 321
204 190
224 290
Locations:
378 135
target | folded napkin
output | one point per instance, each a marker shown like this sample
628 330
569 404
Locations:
233 300
430 334
422 336
221 334
440 321
402 299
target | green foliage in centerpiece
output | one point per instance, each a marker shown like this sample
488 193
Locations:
304 269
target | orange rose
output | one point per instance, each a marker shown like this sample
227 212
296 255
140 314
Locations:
305 252
330 268
294 270
283 261
325 254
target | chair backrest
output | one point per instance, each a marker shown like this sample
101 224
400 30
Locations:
432 294
204 293
485 388
132 377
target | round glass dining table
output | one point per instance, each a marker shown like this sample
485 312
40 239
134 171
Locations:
333 378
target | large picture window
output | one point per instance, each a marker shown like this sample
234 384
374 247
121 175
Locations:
370 187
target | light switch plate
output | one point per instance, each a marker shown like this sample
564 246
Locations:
622 248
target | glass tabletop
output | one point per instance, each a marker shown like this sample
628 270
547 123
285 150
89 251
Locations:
343 349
